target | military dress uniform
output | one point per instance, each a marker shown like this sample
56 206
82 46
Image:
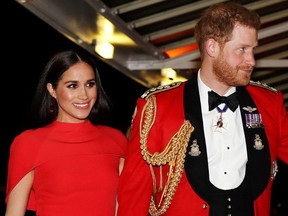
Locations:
166 169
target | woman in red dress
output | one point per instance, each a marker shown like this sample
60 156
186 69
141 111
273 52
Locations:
69 163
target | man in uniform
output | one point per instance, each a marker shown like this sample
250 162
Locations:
208 146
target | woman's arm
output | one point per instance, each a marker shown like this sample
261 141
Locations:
18 198
121 165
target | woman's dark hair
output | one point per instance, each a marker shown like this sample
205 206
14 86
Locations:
45 107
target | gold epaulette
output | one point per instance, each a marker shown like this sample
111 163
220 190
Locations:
158 89
263 85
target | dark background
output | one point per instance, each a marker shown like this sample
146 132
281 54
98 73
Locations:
27 45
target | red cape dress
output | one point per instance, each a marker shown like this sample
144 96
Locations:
76 168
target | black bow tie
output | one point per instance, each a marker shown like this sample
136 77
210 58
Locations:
231 101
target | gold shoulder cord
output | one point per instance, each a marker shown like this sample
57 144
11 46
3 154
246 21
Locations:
263 85
173 154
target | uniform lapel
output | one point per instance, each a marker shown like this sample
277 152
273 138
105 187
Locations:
258 166
196 164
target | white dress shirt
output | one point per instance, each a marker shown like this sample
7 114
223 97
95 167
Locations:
226 148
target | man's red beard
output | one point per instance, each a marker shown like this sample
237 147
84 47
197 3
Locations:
231 75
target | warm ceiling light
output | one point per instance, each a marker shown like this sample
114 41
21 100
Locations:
106 31
181 50
105 27
168 73
104 49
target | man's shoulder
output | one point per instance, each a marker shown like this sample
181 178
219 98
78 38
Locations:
160 89
263 86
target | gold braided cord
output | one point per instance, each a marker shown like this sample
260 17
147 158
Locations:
173 155
174 176
148 115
